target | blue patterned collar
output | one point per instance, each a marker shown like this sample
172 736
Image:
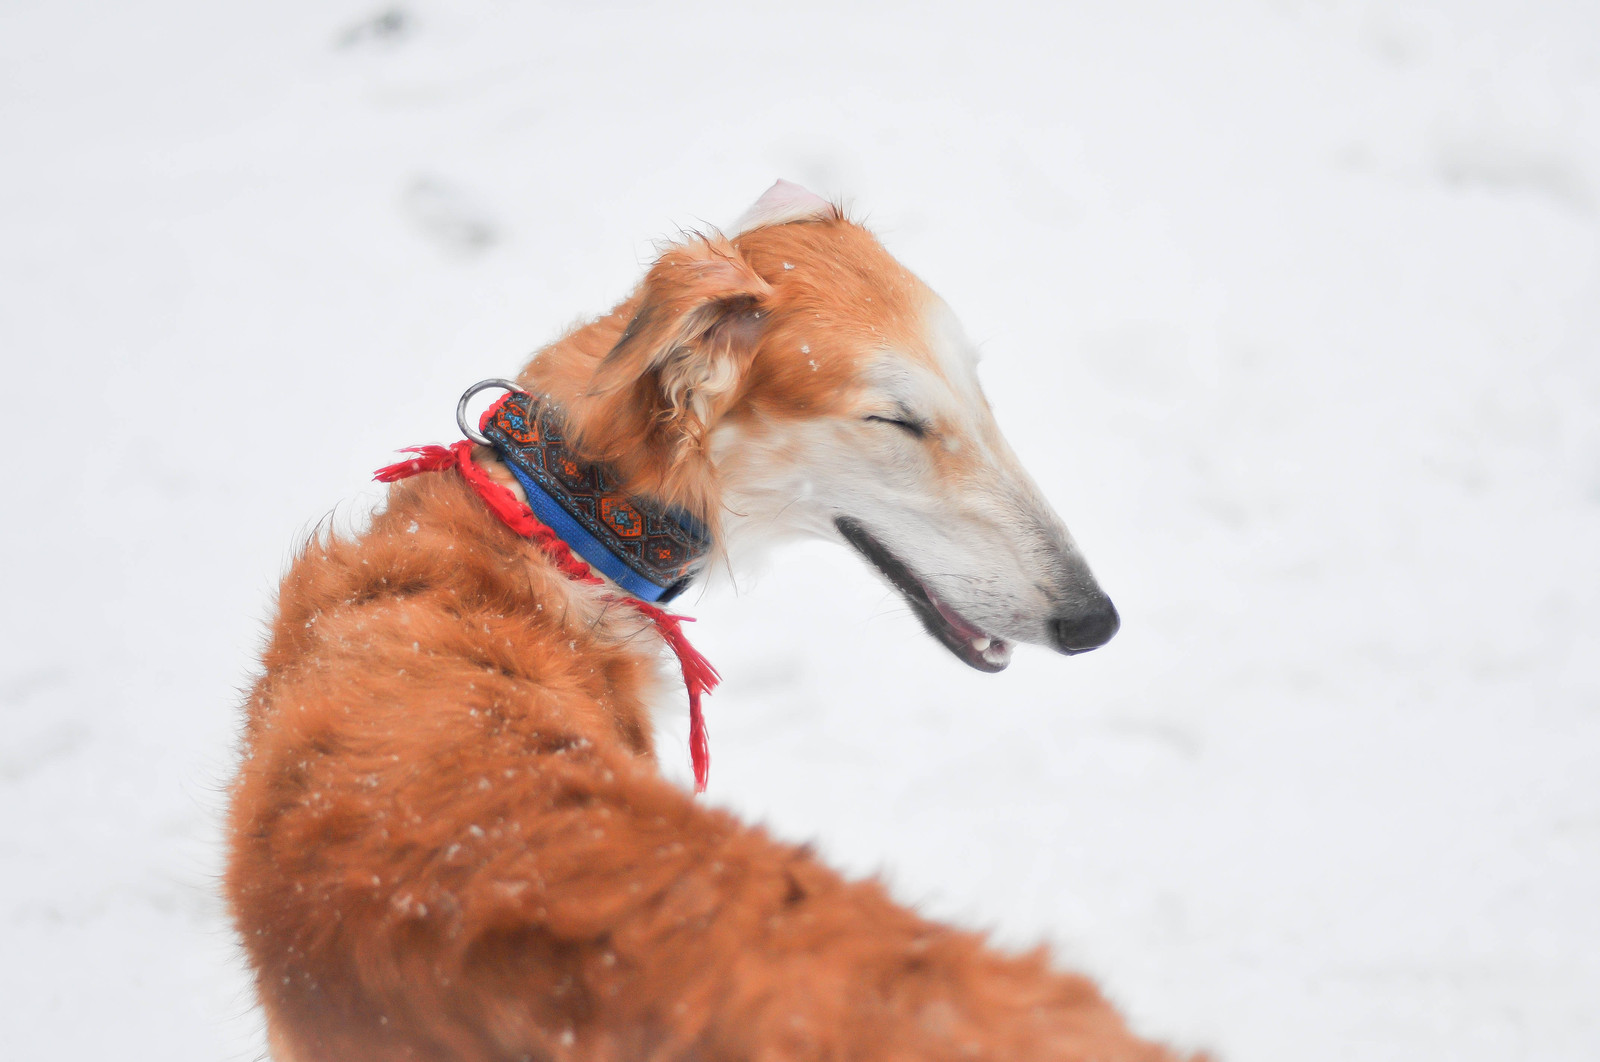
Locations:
650 551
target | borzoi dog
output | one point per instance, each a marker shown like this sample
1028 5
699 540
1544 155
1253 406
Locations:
448 835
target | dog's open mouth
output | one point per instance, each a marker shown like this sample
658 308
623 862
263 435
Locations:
971 645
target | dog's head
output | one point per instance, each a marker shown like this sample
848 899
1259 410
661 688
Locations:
796 378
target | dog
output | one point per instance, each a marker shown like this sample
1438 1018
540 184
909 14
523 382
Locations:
448 837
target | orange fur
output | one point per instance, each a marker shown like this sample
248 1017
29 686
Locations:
448 838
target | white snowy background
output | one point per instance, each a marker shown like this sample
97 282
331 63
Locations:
1292 307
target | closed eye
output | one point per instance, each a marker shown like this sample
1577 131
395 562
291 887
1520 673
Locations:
905 422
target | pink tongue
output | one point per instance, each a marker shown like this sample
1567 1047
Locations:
963 628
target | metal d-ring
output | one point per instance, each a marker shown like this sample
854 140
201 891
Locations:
461 407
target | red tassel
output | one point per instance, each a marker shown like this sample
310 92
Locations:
428 459
699 677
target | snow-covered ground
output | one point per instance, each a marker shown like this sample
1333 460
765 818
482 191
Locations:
1292 307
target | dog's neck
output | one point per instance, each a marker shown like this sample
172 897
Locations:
622 428
585 526
649 550
564 371
561 372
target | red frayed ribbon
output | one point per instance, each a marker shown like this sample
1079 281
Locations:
699 677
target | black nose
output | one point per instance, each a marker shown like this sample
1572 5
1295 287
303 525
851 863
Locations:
1087 628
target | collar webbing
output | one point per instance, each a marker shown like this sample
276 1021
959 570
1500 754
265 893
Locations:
650 551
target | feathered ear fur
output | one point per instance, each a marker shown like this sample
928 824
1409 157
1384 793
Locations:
678 364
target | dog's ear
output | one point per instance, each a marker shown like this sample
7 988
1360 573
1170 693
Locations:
678 364
785 201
